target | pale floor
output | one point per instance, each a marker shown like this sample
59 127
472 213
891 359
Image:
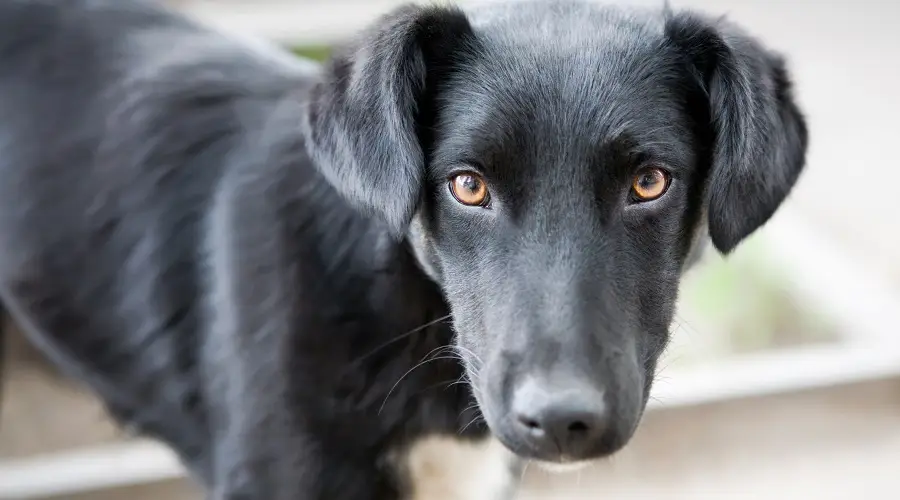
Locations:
843 445
824 444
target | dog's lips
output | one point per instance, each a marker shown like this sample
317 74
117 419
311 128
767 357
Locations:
559 464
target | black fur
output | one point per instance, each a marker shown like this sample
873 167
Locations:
761 134
248 259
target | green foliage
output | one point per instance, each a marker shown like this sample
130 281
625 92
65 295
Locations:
746 304
315 52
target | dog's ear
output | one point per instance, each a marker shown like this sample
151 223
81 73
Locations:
759 135
367 113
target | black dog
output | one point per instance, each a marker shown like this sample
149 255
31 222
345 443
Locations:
283 271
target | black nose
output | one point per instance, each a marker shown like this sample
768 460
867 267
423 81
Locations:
556 421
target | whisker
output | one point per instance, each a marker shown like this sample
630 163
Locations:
459 381
445 384
432 355
478 418
686 326
399 338
468 351
525 469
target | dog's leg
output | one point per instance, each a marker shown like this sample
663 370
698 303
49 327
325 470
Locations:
272 436
261 446
263 453
319 477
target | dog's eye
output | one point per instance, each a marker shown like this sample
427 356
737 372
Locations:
649 184
469 189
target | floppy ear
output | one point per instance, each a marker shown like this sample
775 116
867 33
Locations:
759 134
374 99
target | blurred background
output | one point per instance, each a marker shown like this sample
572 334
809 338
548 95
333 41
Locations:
783 380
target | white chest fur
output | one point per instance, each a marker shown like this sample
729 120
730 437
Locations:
444 468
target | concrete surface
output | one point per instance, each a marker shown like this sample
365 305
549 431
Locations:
824 444
43 412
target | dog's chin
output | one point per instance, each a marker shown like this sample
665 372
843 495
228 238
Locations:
562 467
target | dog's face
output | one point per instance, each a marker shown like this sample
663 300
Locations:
554 166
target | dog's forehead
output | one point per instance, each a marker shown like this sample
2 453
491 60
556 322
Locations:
574 48
564 22
554 80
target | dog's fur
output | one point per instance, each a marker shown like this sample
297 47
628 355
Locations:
259 262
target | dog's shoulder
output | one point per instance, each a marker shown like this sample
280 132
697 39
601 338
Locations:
119 119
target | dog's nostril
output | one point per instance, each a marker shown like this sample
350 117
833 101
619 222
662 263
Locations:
531 424
578 427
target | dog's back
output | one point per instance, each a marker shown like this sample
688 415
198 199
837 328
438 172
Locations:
105 108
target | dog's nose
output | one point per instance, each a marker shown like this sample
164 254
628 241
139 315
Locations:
560 422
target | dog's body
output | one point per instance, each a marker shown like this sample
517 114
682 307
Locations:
208 236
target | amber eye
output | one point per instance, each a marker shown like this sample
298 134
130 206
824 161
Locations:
649 184
469 189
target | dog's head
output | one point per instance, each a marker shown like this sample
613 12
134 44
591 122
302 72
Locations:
554 166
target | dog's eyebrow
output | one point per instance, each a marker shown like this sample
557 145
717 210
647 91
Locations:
442 168
665 144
